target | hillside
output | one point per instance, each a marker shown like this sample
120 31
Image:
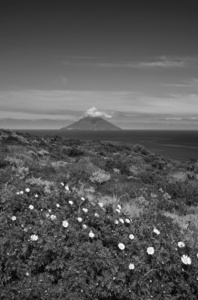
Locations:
91 123
88 220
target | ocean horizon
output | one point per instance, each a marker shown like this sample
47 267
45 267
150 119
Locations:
173 144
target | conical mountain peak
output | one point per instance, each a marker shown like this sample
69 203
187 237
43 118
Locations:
91 123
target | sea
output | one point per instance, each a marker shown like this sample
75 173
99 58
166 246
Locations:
177 145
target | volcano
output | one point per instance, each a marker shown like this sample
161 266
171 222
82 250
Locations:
91 123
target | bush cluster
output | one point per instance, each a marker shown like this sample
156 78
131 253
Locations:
65 247
86 220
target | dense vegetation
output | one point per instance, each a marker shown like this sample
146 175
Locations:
87 220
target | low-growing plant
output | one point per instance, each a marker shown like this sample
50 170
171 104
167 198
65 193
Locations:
73 151
76 228
178 190
14 161
100 176
67 248
47 185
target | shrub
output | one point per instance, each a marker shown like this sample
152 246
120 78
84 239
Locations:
43 152
100 176
47 185
118 163
148 177
14 161
178 190
141 149
46 252
74 151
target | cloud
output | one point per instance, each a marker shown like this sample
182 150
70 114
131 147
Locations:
62 103
173 118
126 109
93 112
163 62
176 85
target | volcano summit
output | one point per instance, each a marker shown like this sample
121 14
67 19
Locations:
91 123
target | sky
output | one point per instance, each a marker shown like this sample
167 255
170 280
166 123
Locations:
134 63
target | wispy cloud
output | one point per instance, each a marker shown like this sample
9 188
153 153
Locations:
178 85
163 62
67 102
190 85
126 109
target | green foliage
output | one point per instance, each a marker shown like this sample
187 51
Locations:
73 151
178 190
140 149
49 192
41 258
118 163
100 176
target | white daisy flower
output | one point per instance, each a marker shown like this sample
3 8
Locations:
17 193
65 224
31 207
91 234
47 215
121 220
127 221
62 183
27 274
82 198
96 215
53 217
150 250
119 206
36 196
27 190
131 236
186 260
131 266
79 219
85 209
156 231
57 205
84 226
21 192
71 202
181 245
49 210
116 222
67 187
34 237
118 211
121 246
100 204
13 218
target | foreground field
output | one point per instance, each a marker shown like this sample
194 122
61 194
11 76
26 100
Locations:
86 220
